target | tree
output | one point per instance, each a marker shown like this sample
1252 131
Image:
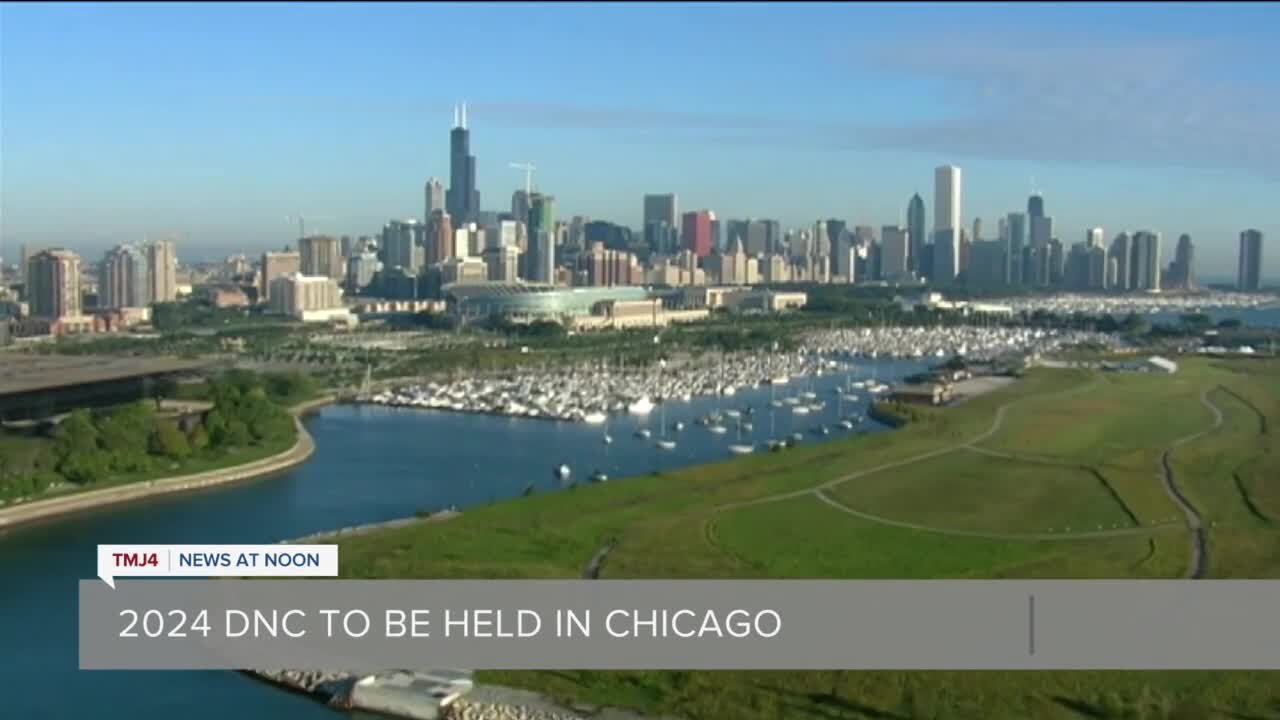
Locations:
169 441
198 439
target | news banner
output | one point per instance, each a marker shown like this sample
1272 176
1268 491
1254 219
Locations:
156 607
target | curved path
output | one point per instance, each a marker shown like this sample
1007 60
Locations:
1196 565
1199 540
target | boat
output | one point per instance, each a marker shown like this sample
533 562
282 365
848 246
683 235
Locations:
599 476
728 390
717 428
562 471
641 406
779 380
608 439
845 425
643 433
741 449
808 395
732 413
776 403
820 430
748 427
677 426
800 409
594 418
666 444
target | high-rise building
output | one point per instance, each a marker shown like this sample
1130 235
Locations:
1016 229
462 200
297 294
321 256
162 270
695 232
433 197
833 230
894 252
360 271
987 263
1249 264
1181 274
437 239
946 223
54 277
1146 266
917 234
541 257
1093 238
403 245
1035 206
503 263
1057 261
605 267
503 235
1121 253
578 233
977 230
122 279
661 209
276 265
24 258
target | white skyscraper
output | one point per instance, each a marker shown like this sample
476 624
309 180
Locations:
946 222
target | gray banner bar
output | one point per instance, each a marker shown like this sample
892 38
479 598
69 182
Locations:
784 624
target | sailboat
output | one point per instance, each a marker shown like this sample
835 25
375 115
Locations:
664 443
713 421
739 447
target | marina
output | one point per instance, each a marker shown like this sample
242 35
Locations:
973 342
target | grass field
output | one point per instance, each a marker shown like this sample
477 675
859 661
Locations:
1092 443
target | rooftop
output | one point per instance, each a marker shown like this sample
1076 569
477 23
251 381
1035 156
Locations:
25 373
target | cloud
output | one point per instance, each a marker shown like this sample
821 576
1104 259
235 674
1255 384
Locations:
1091 100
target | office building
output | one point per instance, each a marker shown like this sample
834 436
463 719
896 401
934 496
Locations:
403 243
360 271
661 209
122 279
604 266
577 235
894 252
305 297
1181 273
54 284
503 235
541 257
502 263
1121 254
162 271
275 265
1249 263
977 230
1016 231
946 223
433 197
1035 206
613 236
695 232
987 263
462 200
917 234
661 238
437 241
1057 262
321 256
1093 238
1145 271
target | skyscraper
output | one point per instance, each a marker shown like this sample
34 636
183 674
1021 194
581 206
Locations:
695 232
1016 229
1035 206
977 230
321 256
438 238
462 200
54 276
661 209
162 271
542 256
946 223
403 243
1146 269
1249 266
276 265
894 252
122 279
917 236
1182 269
433 198
1120 254
1093 238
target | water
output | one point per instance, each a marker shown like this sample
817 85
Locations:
371 464
1251 317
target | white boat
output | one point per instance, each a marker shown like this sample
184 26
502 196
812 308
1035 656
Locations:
779 380
608 439
562 471
666 444
728 390
599 476
732 413
808 395
678 426
739 449
776 403
643 433
641 406
845 424
717 428
800 410
748 427
594 418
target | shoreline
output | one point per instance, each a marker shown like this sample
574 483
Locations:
303 447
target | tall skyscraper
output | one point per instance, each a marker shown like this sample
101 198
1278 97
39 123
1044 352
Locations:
894 251
542 256
977 230
1016 228
1093 238
54 276
462 200
1146 270
917 235
122 279
24 259
162 270
277 265
321 257
1121 254
946 223
1182 269
1035 206
661 209
404 245
1249 265
695 232
433 199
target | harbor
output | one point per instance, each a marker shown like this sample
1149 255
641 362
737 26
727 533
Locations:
936 344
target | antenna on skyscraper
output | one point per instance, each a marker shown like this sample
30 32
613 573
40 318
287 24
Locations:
455 114
464 115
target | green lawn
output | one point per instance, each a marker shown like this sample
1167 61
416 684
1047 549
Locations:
1097 427
968 491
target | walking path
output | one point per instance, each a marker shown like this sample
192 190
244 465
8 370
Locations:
1196 565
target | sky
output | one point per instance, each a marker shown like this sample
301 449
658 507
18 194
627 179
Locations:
218 123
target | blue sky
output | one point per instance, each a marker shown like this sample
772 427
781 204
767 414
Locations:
217 121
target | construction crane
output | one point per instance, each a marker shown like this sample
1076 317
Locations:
302 227
528 169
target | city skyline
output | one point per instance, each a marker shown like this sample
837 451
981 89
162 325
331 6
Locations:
721 150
